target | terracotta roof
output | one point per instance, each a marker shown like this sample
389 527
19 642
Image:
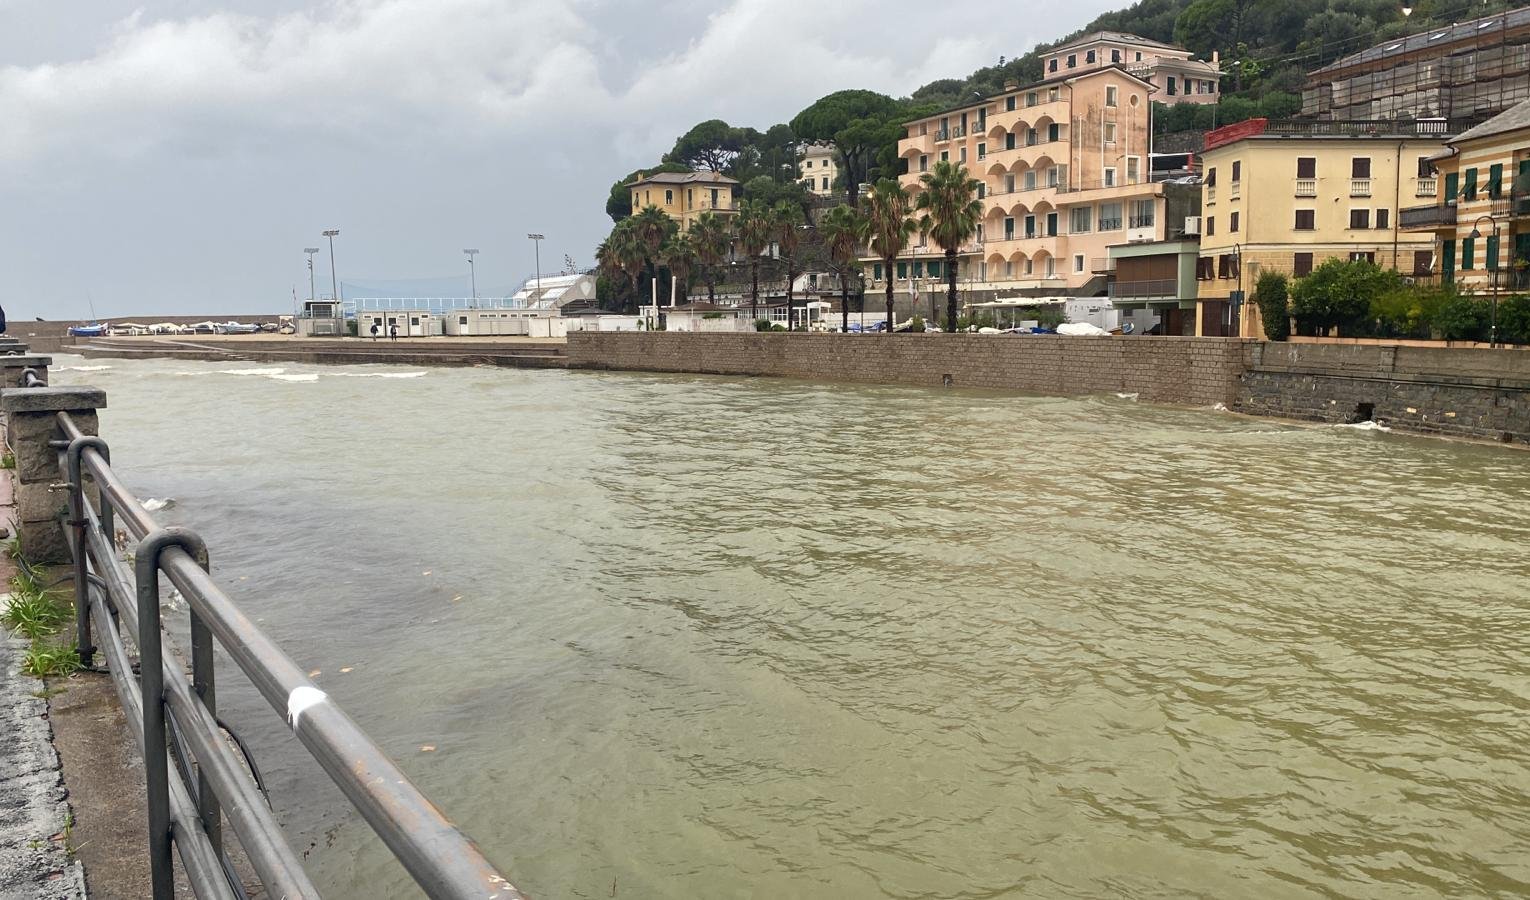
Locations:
686 178
1120 37
1511 119
1045 82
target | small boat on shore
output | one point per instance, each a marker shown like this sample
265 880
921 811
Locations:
94 329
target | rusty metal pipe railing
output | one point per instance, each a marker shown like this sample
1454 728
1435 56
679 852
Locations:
442 860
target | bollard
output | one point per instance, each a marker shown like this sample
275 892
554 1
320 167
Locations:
41 495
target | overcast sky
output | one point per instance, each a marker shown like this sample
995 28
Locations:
176 156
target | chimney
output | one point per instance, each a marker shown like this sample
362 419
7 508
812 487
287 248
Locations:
1216 58
1011 85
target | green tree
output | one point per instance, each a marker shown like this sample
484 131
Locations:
711 144
786 223
860 124
620 258
888 211
1339 294
710 235
652 227
753 227
949 213
844 230
1270 293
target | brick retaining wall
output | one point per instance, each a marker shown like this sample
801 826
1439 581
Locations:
1190 371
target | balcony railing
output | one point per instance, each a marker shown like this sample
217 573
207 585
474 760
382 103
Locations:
942 134
1428 187
1516 205
1166 287
1359 187
1102 264
1140 222
1211 193
1306 187
1110 225
1427 217
1234 190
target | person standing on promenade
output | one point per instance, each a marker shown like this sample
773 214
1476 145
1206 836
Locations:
393 331
374 331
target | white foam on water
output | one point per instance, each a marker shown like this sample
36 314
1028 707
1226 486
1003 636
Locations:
310 376
1370 425
154 504
1131 397
1219 407
80 368
377 374
267 372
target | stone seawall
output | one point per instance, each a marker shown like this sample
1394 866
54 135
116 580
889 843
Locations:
1189 371
1431 390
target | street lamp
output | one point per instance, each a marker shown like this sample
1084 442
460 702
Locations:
473 274
334 283
536 240
310 251
1493 272
1407 10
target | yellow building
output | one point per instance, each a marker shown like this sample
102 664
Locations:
1285 196
818 168
684 196
1481 222
1063 169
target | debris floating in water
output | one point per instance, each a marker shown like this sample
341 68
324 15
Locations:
154 504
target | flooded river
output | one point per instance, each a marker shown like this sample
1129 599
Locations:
653 636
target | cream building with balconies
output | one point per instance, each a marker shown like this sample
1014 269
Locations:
684 196
1176 77
1063 169
1285 196
818 168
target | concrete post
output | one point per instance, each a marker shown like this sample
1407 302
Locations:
11 367
31 422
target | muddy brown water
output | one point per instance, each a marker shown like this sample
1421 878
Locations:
662 636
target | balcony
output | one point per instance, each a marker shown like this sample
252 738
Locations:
1359 187
1140 222
1110 225
942 134
1101 265
1306 187
1235 190
1211 193
1162 289
1428 187
1514 206
1427 218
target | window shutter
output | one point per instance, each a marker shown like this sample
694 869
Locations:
1448 263
1468 250
1469 189
1360 167
1306 167
1495 180
1452 186
1492 253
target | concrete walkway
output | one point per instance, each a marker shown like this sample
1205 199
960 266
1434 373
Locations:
36 862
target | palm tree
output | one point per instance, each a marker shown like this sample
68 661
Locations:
679 256
710 235
753 228
887 210
786 219
620 255
652 227
844 232
950 215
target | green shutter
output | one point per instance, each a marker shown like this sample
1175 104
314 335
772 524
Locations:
1492 252
1448 264
918 268
1468 249
1495 180
902 270
934 269
1469 190
876 272
1452 182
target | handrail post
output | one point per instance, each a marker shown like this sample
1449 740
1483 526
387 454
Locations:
151 668
77 521
31 428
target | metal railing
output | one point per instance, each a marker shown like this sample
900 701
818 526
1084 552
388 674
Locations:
194 778
1431 216
1168 287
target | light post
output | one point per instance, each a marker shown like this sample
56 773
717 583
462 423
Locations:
536 241
1492 272
473 274
334 283
310 251
1236 307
